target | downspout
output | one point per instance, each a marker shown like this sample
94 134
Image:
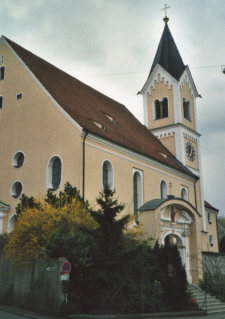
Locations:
83 163
196 205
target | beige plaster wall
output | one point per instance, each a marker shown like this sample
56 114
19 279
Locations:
123 168
36 127
160 90
169 142
186 93
211 230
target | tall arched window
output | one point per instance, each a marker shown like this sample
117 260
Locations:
211 240
1 102
165 107
11 222
107 175
54 173
209 218
2 73
184 193
137 193
163 189
161 108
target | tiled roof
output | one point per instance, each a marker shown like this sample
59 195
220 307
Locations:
207 205
168 56
86 105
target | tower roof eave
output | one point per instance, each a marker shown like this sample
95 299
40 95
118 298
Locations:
192 81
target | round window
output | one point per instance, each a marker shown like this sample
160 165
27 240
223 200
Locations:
18 159
16 189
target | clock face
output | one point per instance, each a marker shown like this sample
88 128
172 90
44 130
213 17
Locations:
190 151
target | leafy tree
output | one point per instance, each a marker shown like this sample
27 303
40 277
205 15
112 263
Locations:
36 226
25 204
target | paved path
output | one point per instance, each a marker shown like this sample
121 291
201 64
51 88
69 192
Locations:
7 315
9 312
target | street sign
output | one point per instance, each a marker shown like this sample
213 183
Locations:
51 269
65 277
66 268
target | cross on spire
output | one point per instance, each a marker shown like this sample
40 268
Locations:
164 9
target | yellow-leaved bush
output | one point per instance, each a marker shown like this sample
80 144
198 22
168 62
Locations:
34 228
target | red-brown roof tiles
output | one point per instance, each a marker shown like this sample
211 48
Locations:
84 104
207 205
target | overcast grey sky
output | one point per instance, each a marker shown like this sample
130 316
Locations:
110 45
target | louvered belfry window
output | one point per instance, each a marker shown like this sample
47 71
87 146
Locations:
56 173
187 111
161 108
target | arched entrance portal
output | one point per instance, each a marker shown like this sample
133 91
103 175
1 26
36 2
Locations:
173 239
175 230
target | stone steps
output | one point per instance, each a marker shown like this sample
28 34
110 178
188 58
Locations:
206 302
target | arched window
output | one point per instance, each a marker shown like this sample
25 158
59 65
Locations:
161 108
54 173
165 107
163 189
16 189
209 218
137 193
184 193
186 109
211 240
107 175
157 109
11 222
1 102
2 73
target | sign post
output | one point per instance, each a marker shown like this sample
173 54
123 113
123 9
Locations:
66 269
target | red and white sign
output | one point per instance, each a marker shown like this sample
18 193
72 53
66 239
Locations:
66 267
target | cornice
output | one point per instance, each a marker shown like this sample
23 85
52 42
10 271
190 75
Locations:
174 126
137 156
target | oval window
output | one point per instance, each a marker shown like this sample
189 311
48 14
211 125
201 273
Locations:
16 189
18 159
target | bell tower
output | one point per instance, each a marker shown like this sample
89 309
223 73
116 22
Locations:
169 101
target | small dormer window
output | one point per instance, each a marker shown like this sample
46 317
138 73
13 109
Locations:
161 108
187 109
111 118
19 96
101 126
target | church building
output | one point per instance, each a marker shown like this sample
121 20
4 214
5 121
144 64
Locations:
56 129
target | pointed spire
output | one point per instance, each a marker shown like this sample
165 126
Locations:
167 54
